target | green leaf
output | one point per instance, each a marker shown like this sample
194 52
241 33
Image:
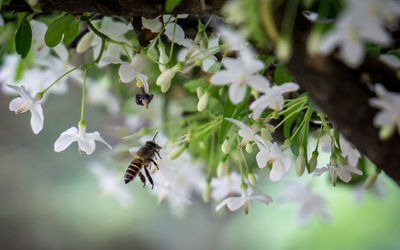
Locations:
282 75
71 32
287 125
229 107
192 85
171 4
56 30
23 38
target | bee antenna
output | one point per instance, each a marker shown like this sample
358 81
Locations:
155 136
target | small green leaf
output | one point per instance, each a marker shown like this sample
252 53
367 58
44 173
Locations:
229 107
56 30
192 85
71 32
171 4
23 38
282 75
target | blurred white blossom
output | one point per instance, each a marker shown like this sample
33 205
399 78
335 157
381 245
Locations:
228 185
309 202
274 155
110 184
343 172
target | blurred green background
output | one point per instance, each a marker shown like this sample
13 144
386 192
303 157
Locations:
52 201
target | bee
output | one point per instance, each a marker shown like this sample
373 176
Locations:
144 158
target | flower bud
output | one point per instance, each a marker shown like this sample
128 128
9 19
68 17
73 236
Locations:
314 42
207 193
221 91
249 148
266 134
85 42
386 132
283 50
164 80
300 162
178 151
226 147
370 182
163 59
222 169
252 178
199 92
313 161
203 102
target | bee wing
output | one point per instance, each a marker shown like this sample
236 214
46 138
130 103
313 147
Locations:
134 150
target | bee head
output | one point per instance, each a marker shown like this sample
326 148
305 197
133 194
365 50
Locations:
153 145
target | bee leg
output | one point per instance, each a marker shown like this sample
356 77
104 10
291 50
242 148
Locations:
142 178
158 154
155 164
149 177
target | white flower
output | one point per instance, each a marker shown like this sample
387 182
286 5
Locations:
40 48
8 72
343 172
129 72
26 102
389 104
164 79
232 40
116 31
99 93
346 147
361 21
272 98
390 60
226 186
86 141
154 25
234 203
310 203
280 162
240 73
248 134
111 184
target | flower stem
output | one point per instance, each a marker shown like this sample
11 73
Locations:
58 79
103 43
268 20
82 121
173 39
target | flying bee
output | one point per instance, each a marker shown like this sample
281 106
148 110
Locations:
144 158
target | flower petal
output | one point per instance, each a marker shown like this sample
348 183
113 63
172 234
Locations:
154 25
37 118
343 175
65 139
235 203
257 82
263 198
222 77
87 145
277 172
320 171
237 93
232 64
97 137
15 104
127 73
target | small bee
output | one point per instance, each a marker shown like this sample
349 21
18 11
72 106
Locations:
144 158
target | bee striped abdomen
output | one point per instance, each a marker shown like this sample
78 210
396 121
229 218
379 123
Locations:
133 169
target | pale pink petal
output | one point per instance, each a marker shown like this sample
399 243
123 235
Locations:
65 139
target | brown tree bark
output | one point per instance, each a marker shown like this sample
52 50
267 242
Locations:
338 90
